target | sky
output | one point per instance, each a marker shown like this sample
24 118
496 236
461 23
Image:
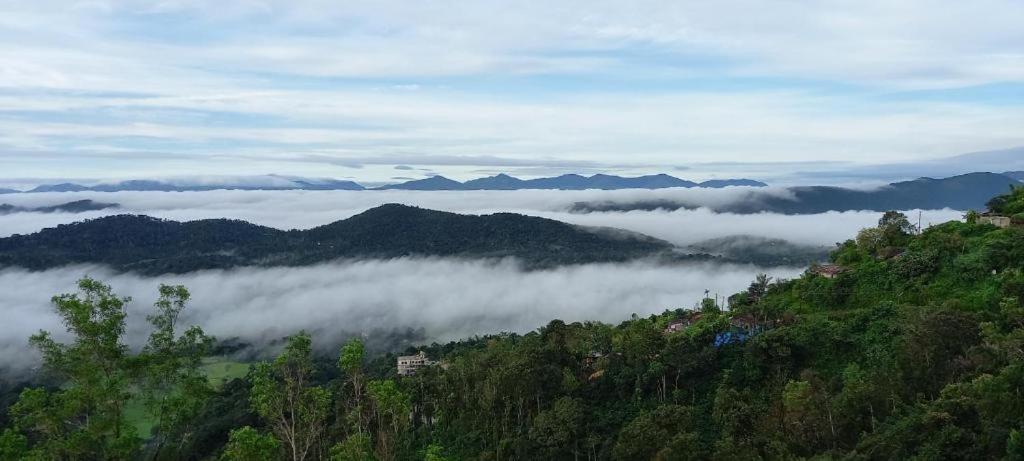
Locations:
381 91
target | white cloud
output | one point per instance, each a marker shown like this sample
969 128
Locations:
305 209
447 299
325 74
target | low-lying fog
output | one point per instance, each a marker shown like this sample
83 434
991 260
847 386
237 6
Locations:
440 299
445 299
305 209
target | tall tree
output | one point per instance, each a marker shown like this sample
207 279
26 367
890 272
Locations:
391 410
283 395
248 444
173 384
84 419
351 362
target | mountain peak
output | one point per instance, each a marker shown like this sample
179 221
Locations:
437 182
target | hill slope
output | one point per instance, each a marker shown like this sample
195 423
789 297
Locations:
153 246
265 182
77 206
914 350
964 192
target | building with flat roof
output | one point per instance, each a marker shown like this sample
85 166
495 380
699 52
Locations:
409 364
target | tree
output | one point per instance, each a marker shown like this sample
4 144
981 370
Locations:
357 447
85 418
283 396
759 287
248 444
351 362
998 203
856 401
709 306
870 240
434 452
896 222
807 416
667 430
895 229
557 430
173 385
1015 446
12 444
391 409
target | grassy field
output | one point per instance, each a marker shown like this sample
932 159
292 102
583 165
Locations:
219 370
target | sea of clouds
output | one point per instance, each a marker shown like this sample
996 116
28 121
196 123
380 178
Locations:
444 299
305 209
441 299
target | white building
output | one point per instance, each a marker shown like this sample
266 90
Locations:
408 364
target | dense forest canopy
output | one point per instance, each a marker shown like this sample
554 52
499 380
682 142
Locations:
154 246
909 345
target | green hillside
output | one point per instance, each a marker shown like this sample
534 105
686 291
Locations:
154 246
907 346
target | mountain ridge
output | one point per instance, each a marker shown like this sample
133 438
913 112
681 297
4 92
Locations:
567 182
962 192
497 182
155 246
77 206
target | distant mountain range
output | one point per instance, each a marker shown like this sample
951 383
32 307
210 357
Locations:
1011 159
567 182
268 182
499 182
964 192
153 246
78 206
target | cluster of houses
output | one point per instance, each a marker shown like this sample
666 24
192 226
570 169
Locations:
741 327
684 322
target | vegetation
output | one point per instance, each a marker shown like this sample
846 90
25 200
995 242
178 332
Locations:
77 206
153 246
914 351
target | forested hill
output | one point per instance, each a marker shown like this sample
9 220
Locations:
154 246
911 346
964 192
77 206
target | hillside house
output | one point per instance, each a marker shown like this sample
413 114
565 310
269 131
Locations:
742 328
829 271
409 364
684 322
995 220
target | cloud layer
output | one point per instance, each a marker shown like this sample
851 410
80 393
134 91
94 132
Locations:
440 299
305 209
446 299
131 88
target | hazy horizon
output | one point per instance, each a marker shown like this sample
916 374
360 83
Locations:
388 89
